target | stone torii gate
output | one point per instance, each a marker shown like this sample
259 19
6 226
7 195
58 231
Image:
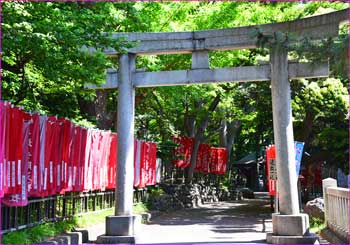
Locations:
289 226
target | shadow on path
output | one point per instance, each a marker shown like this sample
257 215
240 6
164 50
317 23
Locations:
245 221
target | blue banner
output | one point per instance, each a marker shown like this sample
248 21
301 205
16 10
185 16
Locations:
299 146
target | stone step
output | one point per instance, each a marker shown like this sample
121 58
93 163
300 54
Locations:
74 237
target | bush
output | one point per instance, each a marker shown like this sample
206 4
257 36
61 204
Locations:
316 225
39 233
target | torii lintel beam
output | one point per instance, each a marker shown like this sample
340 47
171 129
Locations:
315 27
220 75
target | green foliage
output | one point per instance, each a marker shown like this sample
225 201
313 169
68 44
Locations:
250 103
275 39
316 225
156 192
225 184
90 219
331 49
44 60
45 67
323 105
38 233
140 208
47 230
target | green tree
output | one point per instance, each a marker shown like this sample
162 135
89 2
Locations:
45 67
321 120
44 63
251 108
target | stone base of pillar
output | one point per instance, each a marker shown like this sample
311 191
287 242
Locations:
104 239
277 239
289 229
290 225
120 229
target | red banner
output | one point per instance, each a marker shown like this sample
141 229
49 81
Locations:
2 147
16 193
137 161
183 152
218 160
112 162
270 157
203 158
45 155
209 159
145 163
152 164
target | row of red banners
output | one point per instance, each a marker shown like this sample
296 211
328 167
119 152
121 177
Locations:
209 159
45 155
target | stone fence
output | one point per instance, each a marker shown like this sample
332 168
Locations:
337 204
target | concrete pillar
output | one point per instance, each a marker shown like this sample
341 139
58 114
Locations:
200 60
283 132
125 130
123 227
288 226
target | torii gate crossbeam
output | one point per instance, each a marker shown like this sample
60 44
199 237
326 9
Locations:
228 39
220 75
289 226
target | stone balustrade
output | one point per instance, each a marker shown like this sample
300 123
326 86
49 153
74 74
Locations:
337 205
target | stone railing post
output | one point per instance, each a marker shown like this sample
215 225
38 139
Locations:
329 182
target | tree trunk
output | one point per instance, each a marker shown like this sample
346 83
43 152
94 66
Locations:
101 109
86 107
223 133
228 132
199 137
190 123
307 129
233 128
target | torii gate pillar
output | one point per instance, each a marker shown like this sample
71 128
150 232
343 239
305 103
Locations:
123 227
289 226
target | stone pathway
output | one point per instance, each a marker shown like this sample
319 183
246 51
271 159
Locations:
244 221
